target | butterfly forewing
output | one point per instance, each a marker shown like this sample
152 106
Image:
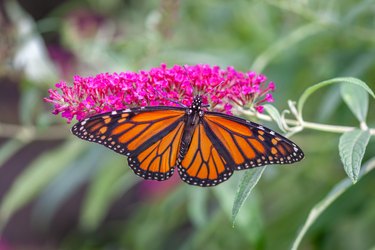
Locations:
250 144
149 136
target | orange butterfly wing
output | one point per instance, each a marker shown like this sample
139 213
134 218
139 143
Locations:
221 144
149 136
203 163
250 144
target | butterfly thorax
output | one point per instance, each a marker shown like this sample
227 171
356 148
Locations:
195 110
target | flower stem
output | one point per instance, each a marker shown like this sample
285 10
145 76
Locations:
308 125
30 133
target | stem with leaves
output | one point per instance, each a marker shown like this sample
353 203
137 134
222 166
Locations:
352 146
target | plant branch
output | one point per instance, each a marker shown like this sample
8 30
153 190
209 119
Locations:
29 133
304 124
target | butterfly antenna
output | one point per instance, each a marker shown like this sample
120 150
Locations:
169 99
176 102
195 91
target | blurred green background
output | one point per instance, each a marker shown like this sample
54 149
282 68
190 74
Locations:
64 193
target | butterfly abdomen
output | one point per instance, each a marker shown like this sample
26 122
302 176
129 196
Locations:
191 122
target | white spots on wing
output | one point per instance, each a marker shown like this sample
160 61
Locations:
148 175
202 182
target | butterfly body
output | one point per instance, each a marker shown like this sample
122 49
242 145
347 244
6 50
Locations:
192 119
206 147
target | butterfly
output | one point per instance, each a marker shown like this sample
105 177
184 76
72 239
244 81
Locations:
206 147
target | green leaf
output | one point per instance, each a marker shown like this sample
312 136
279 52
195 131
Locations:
197 206
9 148
321 206
352 147
275 115
357 100
112 181
249 179
356 11
224 195
37 176
309 91
285 43
29 102
65 184
328 103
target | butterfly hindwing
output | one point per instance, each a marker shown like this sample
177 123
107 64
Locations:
149 136
250 144
203 164
158 160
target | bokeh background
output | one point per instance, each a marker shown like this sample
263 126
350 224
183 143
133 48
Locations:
69 194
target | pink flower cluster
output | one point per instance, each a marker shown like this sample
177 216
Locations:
221 89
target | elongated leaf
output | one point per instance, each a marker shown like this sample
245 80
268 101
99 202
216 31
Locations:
65 184
355 12
9 148
224 195
29 102
357 100
352 147
332 98
108 185
321 206
197 206
309 91
201 235
249 179
36 177
275 115
284 44
329 103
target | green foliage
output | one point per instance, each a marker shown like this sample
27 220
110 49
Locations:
275 115
294 43
332 195
348 80
65 185
109 184
357 100
247 183
352 148
9 148
36 177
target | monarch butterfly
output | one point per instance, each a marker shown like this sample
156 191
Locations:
206 147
